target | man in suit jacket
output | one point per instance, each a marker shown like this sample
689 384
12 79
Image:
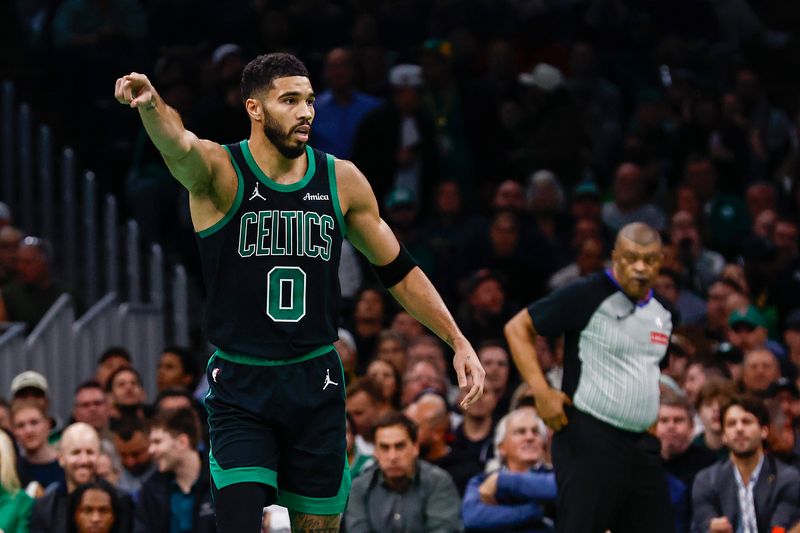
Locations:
750 492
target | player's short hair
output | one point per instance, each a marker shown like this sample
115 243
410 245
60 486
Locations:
395 418
179 422
260 73
749 403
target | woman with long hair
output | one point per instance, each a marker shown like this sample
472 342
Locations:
15 505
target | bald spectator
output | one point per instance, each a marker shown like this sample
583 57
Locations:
340 108
78 453
630 204
30 297
429 413
760 368
514 497
700 265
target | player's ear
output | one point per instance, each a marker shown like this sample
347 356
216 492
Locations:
254 109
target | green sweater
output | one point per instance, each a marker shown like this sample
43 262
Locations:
15 511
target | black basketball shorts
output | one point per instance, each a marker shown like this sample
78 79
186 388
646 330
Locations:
281 423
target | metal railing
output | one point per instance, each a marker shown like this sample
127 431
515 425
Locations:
60 206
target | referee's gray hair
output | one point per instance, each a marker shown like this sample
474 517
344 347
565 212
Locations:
501 430
639 233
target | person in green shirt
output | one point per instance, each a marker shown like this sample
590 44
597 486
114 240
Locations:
15 504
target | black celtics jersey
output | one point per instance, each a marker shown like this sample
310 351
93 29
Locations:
271 264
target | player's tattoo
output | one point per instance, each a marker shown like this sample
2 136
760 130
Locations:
308 523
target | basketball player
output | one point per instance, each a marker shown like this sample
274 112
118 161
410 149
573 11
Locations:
270 214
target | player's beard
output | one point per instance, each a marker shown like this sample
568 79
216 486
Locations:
280 139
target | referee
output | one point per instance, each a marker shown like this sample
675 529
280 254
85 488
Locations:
608 467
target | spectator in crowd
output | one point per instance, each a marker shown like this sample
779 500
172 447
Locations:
700 265
15 504
94 507
630 202
132 444
172 399
91 405
365 403
791 337
177 368
751 490
590 259
717 312
384 373
403 213
714 394
107 469
496 362
690 307
10 238
395 144
760 368
177 498
429 413
783 400
407 326
31 385
485 308
346 347
31 296
38 459
112 359
420 376
340 107
682 460
515 497
475 433
403 492
124 387
393 347
356 460
78 453
368 320
748 331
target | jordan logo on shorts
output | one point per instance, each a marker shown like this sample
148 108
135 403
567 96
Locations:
328 379
256 194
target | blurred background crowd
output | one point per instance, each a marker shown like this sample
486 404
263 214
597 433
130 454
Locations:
507 142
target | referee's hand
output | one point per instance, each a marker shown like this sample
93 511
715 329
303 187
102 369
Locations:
550 405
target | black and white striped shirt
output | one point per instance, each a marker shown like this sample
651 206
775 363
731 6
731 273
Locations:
612 348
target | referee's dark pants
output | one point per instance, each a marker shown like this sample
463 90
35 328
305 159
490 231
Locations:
609 479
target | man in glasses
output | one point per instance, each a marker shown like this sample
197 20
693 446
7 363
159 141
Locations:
608 468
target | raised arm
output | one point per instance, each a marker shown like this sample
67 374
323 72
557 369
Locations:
415 292
194 162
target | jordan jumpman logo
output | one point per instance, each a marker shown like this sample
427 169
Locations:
328 379
257 194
